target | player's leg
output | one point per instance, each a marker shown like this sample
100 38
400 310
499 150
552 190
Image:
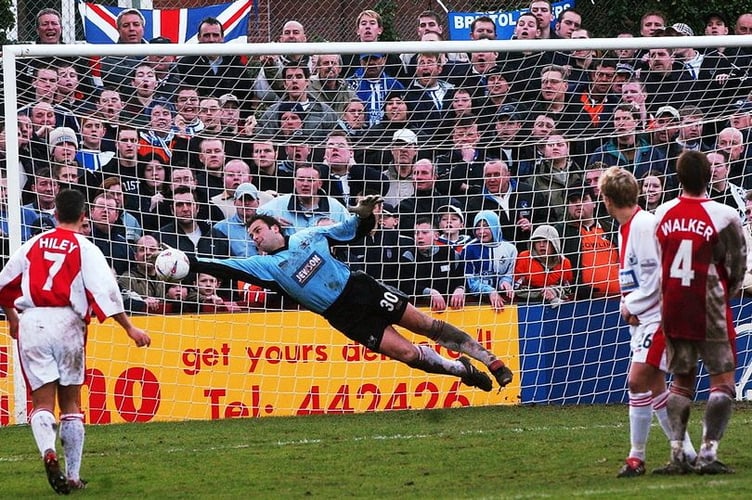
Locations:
659 409
72 432
42 420
424 358
451 337
640 408
44 429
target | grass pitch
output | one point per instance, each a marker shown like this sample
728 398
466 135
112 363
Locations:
491 452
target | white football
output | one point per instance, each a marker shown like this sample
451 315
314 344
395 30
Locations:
172 264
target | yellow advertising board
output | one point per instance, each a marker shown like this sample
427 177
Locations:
265 364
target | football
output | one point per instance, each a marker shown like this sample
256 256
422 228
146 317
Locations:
172 264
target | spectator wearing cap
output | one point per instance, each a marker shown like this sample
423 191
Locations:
377 253
165 69
372 84
450 221
372 147
624 74
730 141
688 56
216 75
117 70
344 178
590 247
229 115
327 85
245 201
505 139
399 171
316 118
427 94
663 151
307 204
234 173
63 145
621 149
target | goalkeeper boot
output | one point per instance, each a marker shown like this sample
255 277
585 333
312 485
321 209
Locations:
473 377
77 484
714 467
632 467
679 465
501 373
55 476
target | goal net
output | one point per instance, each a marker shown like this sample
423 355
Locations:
482 150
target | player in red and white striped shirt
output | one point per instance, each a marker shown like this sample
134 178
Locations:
48 290
703 263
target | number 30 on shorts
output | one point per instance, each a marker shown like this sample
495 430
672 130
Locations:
389 301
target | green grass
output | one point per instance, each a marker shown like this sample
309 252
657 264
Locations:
490 452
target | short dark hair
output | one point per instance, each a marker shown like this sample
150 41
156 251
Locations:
69 206
693 171
482 19
564 11
210 21
304 67
266 219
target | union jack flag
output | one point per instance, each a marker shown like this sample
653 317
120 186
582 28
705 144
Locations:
179 25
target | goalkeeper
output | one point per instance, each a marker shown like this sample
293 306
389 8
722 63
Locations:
302 267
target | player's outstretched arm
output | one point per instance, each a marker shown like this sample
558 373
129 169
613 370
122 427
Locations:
140 338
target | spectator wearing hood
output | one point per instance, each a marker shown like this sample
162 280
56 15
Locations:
490 261
543 274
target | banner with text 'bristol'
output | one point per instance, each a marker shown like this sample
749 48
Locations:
459 22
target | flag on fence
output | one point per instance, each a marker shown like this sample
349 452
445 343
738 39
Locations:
179 25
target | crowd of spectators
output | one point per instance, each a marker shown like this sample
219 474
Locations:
488 162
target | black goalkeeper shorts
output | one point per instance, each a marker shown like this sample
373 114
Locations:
365 308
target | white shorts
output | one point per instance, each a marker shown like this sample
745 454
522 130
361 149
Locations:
649 345
51 346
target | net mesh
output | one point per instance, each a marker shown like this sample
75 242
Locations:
165 150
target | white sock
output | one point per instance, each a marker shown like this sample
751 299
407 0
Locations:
640 417
659 408
72 437
44 429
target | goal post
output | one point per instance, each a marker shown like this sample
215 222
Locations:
226 350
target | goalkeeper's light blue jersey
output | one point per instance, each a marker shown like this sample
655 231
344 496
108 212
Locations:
305 269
